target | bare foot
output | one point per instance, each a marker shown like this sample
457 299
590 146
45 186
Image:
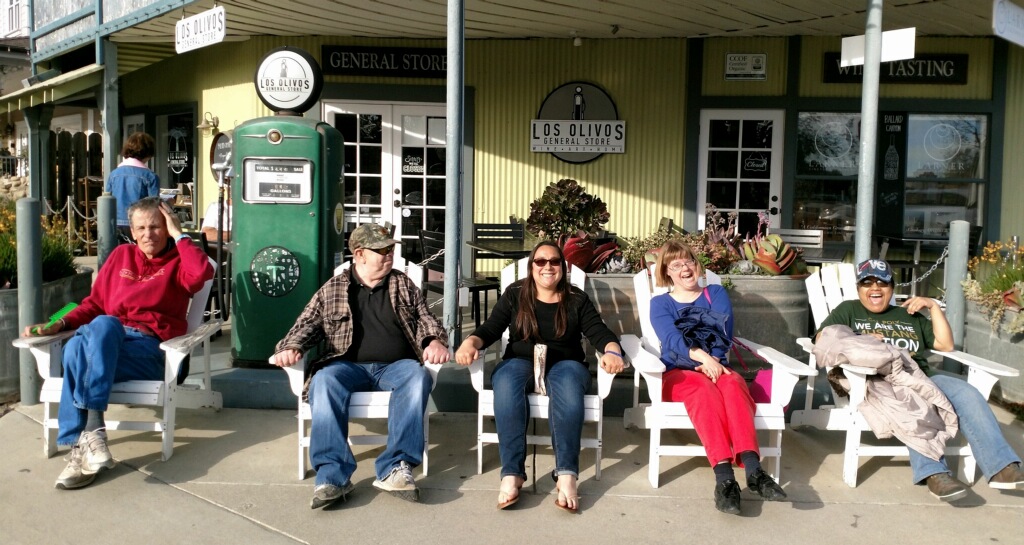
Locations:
568 498
508 492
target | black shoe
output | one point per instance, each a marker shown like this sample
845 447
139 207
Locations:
944 487
727 497
765 486
326 494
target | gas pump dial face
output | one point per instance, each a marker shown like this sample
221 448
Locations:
274 271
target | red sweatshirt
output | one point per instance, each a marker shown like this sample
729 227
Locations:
148 294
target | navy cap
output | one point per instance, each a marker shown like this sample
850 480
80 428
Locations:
877 268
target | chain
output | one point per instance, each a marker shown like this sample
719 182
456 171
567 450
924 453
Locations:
431 258
55 212
79 213
945 253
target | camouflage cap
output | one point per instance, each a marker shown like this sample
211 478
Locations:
372 236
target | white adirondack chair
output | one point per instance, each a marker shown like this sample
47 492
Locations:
658 415
363 405
593 404
166 394
826 289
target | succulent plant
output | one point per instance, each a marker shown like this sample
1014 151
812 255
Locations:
772 254
564 209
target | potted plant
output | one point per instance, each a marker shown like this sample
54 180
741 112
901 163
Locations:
568 215
995 323
62 283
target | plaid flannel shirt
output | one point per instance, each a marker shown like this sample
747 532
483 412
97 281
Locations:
327 320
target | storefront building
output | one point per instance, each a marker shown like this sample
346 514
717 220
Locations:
744 123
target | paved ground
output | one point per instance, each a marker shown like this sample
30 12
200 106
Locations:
232 480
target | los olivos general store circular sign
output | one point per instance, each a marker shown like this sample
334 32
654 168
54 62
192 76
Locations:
288 80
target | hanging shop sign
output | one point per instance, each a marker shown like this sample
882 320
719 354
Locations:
577 123
1008 21
200 30
398 62
746 66
288 80
934 69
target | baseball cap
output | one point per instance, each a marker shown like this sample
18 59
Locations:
877 268
371 236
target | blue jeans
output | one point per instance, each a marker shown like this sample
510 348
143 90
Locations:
978 425
567 381
101 353
329 392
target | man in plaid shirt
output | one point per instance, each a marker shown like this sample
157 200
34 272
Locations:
361 316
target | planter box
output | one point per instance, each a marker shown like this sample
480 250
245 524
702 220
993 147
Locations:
980 340
55 295
771 310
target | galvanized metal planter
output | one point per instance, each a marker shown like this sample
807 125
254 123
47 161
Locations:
55 295
771 310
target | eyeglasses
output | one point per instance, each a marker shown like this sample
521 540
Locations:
387 250
554 261
868 282
678 265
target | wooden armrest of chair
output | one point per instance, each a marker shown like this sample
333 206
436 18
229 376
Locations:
806 343
981 373
296 375
178 348
476 372
42 348
786 370
643 358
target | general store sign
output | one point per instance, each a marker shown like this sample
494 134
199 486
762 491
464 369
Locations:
577 123
200 30
400 62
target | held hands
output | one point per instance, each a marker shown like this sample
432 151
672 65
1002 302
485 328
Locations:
611 360
435 352
914 304
286 358
467 353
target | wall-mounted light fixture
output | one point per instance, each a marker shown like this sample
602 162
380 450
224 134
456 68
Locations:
209 124
576 40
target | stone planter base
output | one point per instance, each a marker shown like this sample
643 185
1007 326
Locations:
55 295
770 310
981 341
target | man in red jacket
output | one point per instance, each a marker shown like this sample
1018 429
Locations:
140 298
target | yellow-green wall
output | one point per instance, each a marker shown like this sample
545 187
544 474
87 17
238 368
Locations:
645 78
1012 221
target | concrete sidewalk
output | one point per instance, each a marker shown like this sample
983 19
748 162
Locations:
232 480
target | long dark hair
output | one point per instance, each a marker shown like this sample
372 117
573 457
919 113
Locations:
526 318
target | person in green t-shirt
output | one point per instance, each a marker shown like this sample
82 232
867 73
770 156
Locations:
906 327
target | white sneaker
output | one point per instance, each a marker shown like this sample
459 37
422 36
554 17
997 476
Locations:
74 476
95 454
400 483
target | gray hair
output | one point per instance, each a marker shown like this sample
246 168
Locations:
149 204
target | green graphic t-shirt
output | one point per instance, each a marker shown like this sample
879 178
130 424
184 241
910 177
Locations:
912 332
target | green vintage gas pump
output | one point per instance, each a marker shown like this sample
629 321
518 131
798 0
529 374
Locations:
288 215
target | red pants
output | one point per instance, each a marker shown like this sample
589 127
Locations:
722 412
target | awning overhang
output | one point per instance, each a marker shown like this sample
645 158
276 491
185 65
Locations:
53 90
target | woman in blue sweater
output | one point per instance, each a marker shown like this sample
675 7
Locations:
698 373
132 180
543 308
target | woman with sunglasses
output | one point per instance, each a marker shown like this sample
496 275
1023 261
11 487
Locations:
906 326
543 308
717 399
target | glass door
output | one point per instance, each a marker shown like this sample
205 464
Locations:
394 167
740 165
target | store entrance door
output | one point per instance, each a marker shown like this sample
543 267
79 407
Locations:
740 165
394 167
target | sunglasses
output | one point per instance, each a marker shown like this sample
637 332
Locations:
868 282
554 261
387 250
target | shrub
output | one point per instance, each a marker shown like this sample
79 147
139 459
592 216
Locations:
996 283
58 260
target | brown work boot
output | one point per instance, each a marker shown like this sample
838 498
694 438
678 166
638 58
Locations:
944 487
1008 478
